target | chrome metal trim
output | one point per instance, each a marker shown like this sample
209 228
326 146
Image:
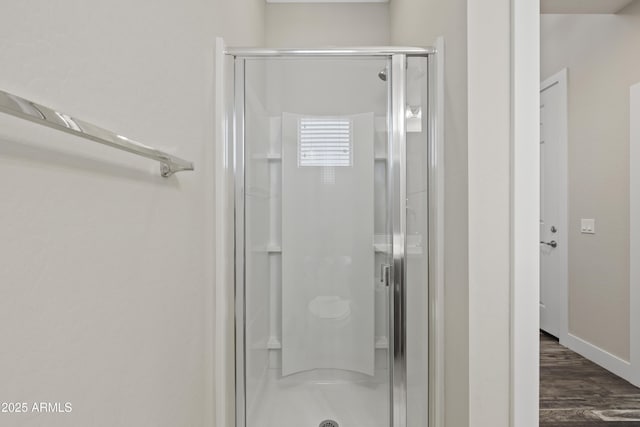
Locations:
396 183
398 198
432 155
17 106
389 233
342 51
239 225
437 221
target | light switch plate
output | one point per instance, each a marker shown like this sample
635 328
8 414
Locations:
588 226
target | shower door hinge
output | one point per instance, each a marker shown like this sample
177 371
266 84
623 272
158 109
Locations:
385 270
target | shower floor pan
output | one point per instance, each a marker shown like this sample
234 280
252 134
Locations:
297 401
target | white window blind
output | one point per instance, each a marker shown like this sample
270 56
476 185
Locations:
325 142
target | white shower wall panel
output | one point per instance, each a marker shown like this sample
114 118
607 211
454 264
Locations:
311 87
328 258
273 153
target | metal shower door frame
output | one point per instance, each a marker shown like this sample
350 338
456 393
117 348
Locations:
397 201
397 206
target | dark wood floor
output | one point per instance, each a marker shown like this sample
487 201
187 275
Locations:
575 392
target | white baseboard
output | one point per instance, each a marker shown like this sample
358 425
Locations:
608 361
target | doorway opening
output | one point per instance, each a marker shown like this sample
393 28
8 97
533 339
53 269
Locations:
592 313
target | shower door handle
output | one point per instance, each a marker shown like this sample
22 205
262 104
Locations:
385 269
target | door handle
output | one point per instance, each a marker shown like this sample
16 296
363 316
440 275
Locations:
552 243
385 269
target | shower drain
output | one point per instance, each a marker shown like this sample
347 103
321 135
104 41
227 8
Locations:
329 423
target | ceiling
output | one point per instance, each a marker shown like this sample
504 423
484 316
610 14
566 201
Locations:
546 6
583 6
327 1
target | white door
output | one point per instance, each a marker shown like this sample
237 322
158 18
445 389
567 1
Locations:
553 205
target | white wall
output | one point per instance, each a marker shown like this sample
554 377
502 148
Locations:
634 237
489 213
419 23
600 52
111 318
332 24
503 63
524 308
490 133
106 294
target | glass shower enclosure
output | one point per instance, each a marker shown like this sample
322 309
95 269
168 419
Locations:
332 152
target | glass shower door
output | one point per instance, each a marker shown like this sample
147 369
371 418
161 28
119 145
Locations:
313 241
333 157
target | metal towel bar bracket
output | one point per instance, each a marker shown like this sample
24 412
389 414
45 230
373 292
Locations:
28 110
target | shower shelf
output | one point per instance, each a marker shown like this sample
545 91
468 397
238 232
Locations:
277 157
273 157
382 342
273 343
270 249
385 248
377 247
